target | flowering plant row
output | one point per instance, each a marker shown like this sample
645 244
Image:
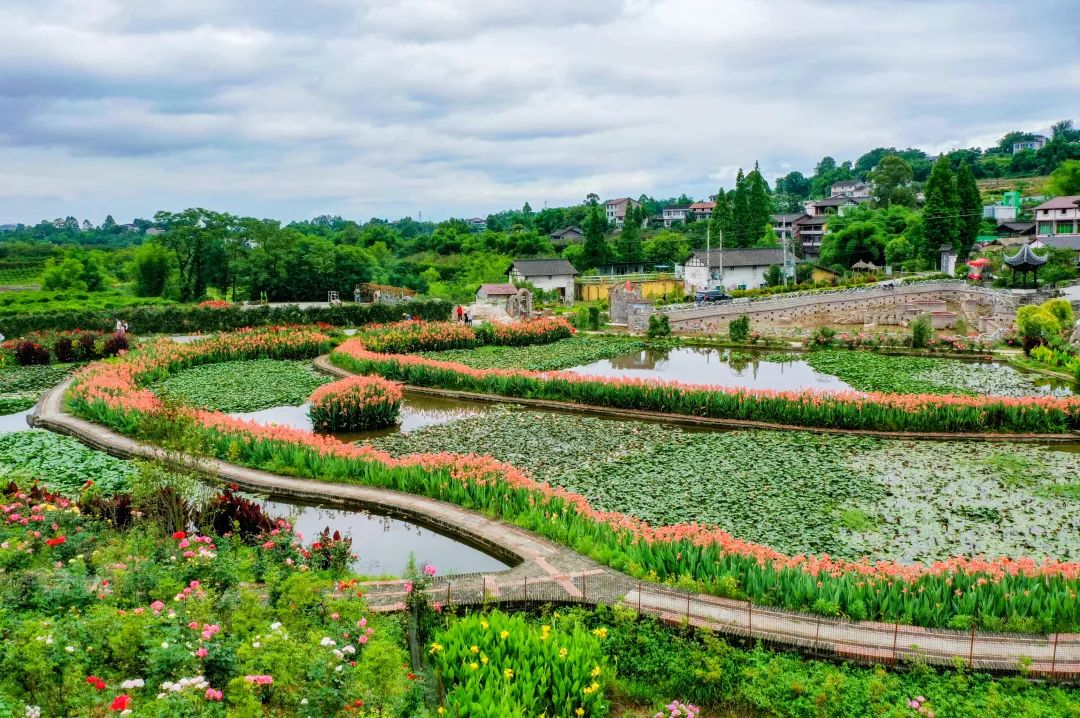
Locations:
65 347
414 336
355 404
844 410
499 665
999 594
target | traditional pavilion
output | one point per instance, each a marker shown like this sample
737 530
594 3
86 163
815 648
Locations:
1026 261
862 266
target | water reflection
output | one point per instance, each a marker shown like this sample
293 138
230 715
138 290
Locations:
383 545
417 411
711 366
11 423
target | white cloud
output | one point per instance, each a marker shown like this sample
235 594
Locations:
460 107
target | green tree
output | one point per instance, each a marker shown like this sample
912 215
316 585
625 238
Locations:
1036 326
774 275
858 241
594 227
759 207
969 210
628 243
64 274
1065 180
891 178
151 269
939 215
667 247
721 219
741 229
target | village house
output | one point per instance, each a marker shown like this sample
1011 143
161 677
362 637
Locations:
729 269
675 213
1059 217
550 275
1037 143
855 189
784 224
495 293
808 232
615 210
567 236
477 223
702 210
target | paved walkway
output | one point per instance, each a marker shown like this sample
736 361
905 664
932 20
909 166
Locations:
544 572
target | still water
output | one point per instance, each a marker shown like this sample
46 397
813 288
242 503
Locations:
711 366
417 411
384 545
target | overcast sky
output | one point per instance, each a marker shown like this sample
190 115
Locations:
294 108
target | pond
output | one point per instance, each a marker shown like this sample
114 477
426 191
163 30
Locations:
417 411
712 366
15 422
384 545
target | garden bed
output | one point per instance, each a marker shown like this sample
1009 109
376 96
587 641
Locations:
706 557
238 386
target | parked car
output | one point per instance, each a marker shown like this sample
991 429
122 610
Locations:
711 296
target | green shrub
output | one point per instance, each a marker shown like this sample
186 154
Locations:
1062 310
1036 326
739 329
921 331
659 326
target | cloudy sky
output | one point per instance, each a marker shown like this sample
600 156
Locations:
293 108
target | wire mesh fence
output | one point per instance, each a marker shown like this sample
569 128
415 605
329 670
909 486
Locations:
1055 656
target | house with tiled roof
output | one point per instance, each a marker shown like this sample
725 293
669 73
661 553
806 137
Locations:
615 210
729 269
550 275
495 293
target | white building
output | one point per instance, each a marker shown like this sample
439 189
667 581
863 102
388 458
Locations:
1060 216
1000 212
729 269
674 214
1036 144
856 189
702 210
615 210
551 275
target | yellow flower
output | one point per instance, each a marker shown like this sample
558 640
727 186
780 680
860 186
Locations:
596 671
563 653
435 648
441 711
580 711
600 632
484 659
474 666
508 673
504 634
485 625
474 649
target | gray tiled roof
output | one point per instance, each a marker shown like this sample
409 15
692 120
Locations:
744 257
543 267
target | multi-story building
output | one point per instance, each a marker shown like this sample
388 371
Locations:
615 210
856 189
784 224
675 213
808 231
1057 224
729 269
1034 144
702 210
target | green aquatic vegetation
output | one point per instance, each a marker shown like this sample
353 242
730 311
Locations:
33 378
240 386
14 403
794 491
60 463
563 354
868 371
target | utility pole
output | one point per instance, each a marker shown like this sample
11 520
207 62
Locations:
708 257
721 233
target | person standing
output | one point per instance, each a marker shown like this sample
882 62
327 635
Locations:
460 312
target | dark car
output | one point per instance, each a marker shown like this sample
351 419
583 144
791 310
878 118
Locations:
711 296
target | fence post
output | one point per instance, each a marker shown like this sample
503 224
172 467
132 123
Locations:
895 634
688 607
817 631
584 588
1053 658
971 650
484 595
448 593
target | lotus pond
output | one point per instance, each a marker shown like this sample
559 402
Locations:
797 492
826 370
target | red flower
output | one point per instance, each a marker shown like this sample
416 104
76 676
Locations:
121 703
95 682
56 541
179 535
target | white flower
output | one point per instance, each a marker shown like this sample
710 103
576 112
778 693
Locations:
327 641
275 625
338 668
303 702
133 683
33 712
348 649
256 644
164 644
69 649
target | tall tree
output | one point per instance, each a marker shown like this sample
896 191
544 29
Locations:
740 213
939 214
758 205
629 242
595 225
891 178
969 210
721 220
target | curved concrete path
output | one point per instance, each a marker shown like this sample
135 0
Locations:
549 573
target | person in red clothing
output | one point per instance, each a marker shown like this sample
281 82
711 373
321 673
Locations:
460 311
